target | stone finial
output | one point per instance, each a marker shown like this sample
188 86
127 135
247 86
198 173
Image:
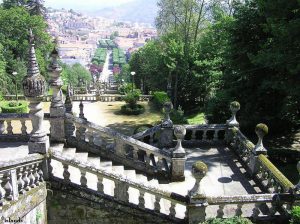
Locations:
34 84
261 130
68 102
167 122
234 108
81 114
199 170
179 132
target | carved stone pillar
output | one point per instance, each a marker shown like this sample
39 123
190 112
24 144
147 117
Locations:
198 203
178 155
57 109
34 90
261 130
166 136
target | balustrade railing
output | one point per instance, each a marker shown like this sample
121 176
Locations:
137 154
125 190
18 126
149 135
20 176
84 97
22 97
106 97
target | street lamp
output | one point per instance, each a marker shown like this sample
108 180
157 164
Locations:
16 84
132 74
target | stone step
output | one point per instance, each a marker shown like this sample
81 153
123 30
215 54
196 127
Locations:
69 152
81 156
94 161
130 174
118 169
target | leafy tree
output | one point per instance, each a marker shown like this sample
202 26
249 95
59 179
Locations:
73 74
36 7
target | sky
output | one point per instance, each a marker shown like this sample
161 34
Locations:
84 4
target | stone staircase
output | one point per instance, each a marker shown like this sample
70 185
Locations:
111 168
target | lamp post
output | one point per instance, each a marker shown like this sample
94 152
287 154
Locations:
16 84
132 74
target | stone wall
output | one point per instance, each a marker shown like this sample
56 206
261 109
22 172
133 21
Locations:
70 205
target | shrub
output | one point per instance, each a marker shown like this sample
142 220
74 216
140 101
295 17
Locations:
159 98
14 107
233 220
126 88
136 110
177 116
295 215
131 98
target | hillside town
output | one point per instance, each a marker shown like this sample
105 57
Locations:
79 35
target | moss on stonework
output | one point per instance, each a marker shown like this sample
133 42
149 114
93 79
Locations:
235 105
249 144
262 128
200 166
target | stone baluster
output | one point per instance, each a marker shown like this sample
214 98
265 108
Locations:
157 203
34 90
119 147
178 155
216 136
234 108
41 173
2 127
57 108
172 210
255 210
31 177
121 191
9 127
166 136
261 130
36 174
198 203
100 185
83 180
141 199
220 211
26 179
21 182
66 173
238 211
2 190
147 159
8 186
194 136
23 128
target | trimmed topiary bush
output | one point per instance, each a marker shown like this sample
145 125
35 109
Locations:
295 215
233 220
136 110
159 98
14 107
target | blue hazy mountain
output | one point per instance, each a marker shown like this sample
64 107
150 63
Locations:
143 11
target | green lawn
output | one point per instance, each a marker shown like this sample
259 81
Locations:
196 119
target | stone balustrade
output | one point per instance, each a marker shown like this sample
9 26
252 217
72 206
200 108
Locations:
84 97
149 135
128 150
125 190
22 97
106 97
20 176
206 133
18 126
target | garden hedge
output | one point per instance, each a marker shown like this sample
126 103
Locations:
14 107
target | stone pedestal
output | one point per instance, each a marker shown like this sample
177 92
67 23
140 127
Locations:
178 166
57 123
196 212
39 141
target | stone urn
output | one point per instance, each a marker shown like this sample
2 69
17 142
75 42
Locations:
234 108
261 130
179 132
199 170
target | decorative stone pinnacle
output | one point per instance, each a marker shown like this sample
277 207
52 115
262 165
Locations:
68 102
179 132
199 170
167 123
34 82
261 130
81 114
234 108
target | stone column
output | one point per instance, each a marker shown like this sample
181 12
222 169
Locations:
261 130
57 109
166 136
198 203
34 86
178 156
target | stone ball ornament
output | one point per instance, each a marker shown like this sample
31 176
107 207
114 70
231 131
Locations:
261 130
199 169
168 106
235 106
179 132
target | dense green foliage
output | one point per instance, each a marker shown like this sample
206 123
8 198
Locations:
108 44
131 107
215 52
15 23
159 98
295 215
74 74
233 220
118 57
100 56
14 107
